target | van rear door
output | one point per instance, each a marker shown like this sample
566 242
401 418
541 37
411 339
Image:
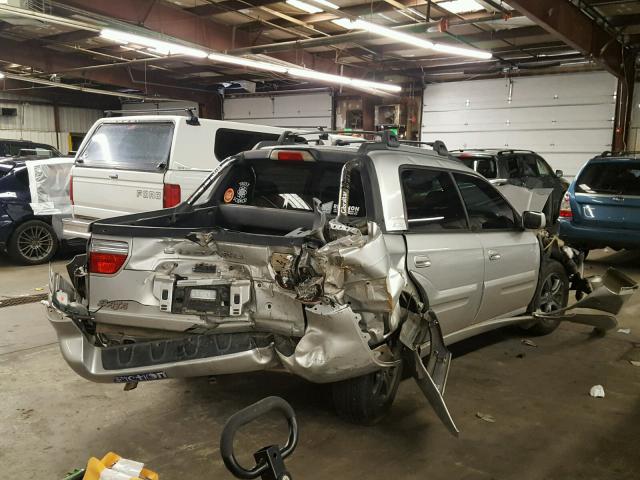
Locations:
121 169
608 194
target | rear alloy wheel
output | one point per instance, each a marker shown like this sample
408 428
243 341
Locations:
365 400
552 294
33 242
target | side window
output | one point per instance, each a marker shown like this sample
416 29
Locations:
487 210
543 167
512 166
231 142
431 201
529 165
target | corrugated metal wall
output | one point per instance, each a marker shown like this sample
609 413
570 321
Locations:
35 121
566 118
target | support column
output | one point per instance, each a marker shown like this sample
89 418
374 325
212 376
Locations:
624 100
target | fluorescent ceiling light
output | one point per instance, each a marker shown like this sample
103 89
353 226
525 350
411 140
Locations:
355 82
168 48
305 7
383 32
327 4
410 39
156 46
1 75
461 6
246 62
465 52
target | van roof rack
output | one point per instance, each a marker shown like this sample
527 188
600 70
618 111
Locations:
192 120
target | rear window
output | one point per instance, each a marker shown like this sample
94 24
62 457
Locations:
288 185
231 142
129 146
622 178
485 166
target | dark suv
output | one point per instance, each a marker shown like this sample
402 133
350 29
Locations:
27 149
523 168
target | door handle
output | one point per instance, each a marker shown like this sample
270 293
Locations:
113 176
493 255
422 261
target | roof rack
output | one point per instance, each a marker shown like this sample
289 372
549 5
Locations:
387 139
624 153
192 120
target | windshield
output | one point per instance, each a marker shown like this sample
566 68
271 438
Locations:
129 146
485 166
285 185
610 177
27 149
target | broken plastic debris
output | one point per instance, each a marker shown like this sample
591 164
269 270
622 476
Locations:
486 417
635 363
597 391
624 330
530 343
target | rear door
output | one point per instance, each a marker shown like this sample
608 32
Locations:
607 195
511 255
442 253
121 169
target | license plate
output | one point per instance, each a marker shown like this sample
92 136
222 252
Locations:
202 294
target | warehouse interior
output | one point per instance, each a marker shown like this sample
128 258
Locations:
493 88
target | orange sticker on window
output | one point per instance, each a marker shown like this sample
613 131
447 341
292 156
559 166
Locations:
229 193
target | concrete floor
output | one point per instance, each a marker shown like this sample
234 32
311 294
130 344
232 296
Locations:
546 425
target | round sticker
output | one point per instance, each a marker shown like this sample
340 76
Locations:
228 195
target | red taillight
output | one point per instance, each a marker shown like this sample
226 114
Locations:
565 207
170 195
105 263
290 156
71 189
106 257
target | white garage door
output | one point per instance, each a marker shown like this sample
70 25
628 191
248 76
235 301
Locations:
300 110
566 118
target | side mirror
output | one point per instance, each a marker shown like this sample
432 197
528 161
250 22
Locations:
533 220
559 173
496 182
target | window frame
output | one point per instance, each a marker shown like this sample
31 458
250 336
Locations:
224 129
88 139
447 171
517 217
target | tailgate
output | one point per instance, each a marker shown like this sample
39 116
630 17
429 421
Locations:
609 193
608 211
103 192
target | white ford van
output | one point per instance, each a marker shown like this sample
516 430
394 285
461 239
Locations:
136 164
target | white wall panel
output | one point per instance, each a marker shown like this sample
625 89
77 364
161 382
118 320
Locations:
566 118
299 110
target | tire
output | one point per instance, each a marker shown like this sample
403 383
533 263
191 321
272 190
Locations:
366 400
32 243
552 294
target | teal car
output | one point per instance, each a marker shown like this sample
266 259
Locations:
601 208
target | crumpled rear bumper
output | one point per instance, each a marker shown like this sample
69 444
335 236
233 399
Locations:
332 349
87 360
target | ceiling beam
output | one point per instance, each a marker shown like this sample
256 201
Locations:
176 22
570 24
46 60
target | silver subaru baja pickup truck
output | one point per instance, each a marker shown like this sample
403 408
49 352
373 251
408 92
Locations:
339 265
